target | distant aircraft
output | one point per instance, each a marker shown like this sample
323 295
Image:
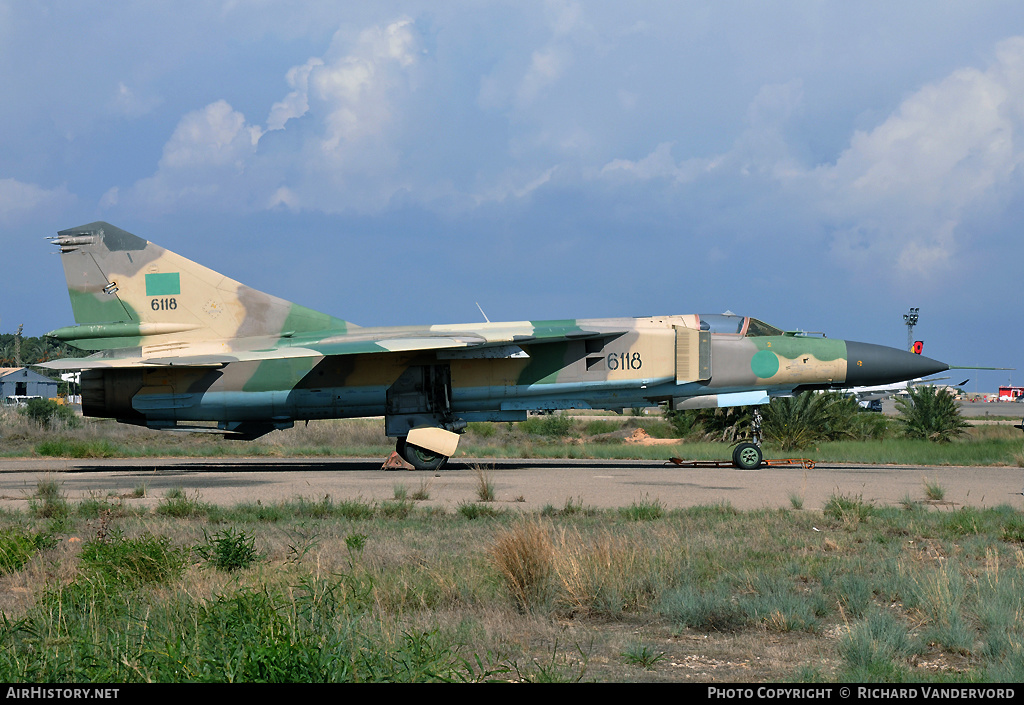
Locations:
871 397
178 344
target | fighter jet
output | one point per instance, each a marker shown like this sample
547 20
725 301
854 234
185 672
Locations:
178 345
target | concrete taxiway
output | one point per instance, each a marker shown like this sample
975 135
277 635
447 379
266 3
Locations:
528 485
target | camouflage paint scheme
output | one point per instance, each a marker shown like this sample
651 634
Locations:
177 342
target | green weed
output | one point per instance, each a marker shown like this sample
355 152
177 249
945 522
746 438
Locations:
570 508
776 605
177 504
849 509
643 510
933 491
472 510
328 603
423 492
49 502
18 545
642 655
228 550
69 448
560 668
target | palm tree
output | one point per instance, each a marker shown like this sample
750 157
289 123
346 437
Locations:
930 413
793 423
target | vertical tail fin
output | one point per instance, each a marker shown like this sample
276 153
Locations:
126 292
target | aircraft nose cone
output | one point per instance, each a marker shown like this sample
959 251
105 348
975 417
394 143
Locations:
868 365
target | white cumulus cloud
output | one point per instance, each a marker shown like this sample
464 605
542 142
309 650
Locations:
351 92
349 101
296 103
208 153
897 197
217 135
948 147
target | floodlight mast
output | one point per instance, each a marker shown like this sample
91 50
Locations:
910 319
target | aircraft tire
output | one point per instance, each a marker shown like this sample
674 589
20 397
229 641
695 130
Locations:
747 456
420 458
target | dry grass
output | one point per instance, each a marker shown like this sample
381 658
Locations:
523 555
20 436
578 574
484 483
601 574
330 433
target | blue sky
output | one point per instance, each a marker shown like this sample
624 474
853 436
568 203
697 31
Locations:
819 165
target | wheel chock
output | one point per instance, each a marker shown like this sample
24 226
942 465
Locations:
396 462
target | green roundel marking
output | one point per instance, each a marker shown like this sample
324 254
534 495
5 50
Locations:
764 364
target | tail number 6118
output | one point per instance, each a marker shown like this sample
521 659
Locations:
163 304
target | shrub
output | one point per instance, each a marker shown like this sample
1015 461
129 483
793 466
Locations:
550 426
874 644
731 424
685 422
132 562
49 502
728 425
600 426
482 429
712 610
49 414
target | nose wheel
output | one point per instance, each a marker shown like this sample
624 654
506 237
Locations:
747 456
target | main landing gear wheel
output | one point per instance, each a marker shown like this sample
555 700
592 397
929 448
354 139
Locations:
420 458
746 456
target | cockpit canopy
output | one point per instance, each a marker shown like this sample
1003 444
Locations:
731 324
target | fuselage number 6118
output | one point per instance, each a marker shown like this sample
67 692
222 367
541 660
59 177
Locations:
625 361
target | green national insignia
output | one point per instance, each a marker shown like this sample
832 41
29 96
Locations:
163 284
764 364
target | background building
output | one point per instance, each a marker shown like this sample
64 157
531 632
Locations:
16 383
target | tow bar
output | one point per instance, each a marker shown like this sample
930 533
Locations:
806 463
